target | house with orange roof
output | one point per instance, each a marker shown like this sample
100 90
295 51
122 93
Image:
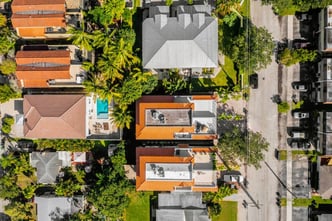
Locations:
54 66
68 116
175 169
177 118
45 18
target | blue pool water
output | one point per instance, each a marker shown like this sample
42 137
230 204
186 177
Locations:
102 109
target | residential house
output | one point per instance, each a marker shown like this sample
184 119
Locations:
180 168
54 67
325 30
51 208
181 206
325 176
324 133
49 164
176 118
68 116
182 37
48 19
323 87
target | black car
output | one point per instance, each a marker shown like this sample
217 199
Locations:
26 145
253 81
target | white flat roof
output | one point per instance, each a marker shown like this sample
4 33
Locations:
168 171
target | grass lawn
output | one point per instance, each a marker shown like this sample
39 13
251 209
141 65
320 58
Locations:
228 211
139 206
226 75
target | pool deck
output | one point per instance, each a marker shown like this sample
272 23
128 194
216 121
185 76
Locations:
97 126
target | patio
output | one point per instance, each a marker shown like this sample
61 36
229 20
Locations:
98 127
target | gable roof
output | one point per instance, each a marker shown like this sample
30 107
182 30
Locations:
54 116
38 20
31 17
35 68
55 208
185 41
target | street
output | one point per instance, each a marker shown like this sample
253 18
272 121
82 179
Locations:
263 117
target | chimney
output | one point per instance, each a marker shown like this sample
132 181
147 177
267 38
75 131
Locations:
199 19
161 20
184 20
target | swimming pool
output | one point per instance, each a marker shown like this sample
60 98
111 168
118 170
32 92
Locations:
102 109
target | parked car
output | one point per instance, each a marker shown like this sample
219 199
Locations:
253 81
300 115
300 144
300 86
299 134
25 145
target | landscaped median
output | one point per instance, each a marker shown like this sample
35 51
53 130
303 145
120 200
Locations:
305 202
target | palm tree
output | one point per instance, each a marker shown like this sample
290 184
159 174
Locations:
121 53
81 38
109 69
103 39
101 87
114 9
121 117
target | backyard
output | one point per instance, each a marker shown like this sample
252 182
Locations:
139 206
228 211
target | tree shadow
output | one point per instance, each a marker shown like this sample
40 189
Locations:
225 125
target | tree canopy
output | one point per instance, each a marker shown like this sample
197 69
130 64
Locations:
289 57
110 192
247 147
287 7
7 93
250 47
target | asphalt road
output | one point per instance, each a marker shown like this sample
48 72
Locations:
263 117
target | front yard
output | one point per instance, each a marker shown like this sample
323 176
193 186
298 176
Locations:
228 211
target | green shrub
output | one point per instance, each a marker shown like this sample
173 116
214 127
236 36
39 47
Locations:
169 2
283 107
7 123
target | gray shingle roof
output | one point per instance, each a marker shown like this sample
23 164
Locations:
185 41
186 206
56 208
47 165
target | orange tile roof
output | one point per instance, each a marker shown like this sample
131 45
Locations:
37 76
31 32
163 155
34 84
144 132
53 56
41 20
54 116
30 5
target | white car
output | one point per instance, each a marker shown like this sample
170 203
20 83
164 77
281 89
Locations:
299 134
300 115
300 87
